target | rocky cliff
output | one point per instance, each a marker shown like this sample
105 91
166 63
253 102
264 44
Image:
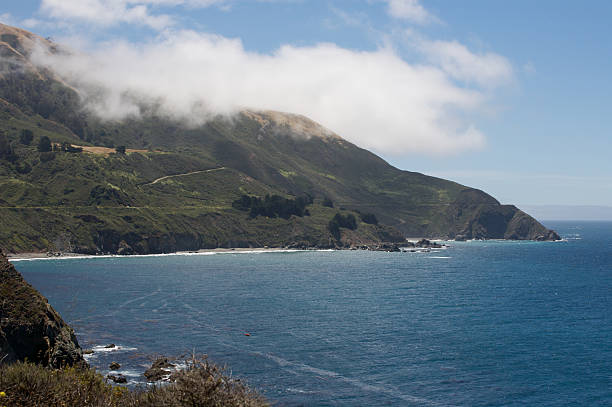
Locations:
29 327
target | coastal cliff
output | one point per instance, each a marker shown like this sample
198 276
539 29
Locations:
30 329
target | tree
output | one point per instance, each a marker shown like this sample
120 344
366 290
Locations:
120 149
44 145
26 137
328 202
6 150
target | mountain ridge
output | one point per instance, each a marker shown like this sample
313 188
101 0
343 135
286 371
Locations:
264 153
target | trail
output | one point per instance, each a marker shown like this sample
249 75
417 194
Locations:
185 174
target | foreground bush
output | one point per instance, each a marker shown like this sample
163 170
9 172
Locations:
201 384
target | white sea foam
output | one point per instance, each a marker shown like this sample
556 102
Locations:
440 257
128 373
355 382
117 348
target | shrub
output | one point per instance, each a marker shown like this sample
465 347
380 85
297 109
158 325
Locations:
120 149
47 156
44 144
6 150
200 384
23 168
26 137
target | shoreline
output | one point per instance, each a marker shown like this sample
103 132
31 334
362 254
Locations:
31 256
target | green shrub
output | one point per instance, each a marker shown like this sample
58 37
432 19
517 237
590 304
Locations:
44 144
26 137
200 384
273 206
47 156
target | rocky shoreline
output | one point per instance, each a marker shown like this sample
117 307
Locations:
384 247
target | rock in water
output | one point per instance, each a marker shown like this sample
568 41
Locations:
117 379
29 327
158 370
114 366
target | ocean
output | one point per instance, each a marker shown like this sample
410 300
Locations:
487 323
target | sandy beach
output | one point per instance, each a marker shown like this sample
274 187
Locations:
202 252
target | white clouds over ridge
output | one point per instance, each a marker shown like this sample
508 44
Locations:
375 99
111 12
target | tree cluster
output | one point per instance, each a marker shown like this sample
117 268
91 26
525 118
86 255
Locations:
273 206
341 221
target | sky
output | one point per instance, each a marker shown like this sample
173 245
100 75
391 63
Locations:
510 97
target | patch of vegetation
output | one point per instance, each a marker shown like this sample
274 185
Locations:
341 221
26 137
273 206
200 384
369 218
44 144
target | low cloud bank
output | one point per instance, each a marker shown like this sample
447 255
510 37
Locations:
374 99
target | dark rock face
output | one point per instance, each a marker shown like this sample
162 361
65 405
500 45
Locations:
29 327
476 215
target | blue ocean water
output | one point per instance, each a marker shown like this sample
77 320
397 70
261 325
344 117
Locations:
478 324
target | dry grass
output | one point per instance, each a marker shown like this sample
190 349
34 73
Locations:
106 151
200 384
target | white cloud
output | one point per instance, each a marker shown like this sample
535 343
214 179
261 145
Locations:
109 12
410 10
8 19
485 69
374 99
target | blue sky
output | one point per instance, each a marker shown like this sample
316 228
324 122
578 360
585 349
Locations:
511 97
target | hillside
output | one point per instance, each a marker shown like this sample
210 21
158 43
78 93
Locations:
174 187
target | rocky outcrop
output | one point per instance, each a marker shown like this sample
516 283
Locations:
477 215
159 370
29 327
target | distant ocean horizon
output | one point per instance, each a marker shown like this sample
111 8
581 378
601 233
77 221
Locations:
572 213
481 323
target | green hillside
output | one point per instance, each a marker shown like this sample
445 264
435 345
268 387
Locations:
174 187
